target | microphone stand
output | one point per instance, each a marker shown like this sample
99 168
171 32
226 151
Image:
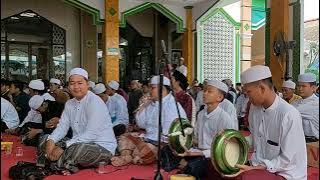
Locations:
158 175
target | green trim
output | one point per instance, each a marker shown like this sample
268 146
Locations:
296 37
93 11
166 12
237 73
224 13
267 38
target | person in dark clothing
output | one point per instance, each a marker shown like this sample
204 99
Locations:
5 86
134 97
50 112
20 99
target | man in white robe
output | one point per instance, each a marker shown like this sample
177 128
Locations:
135 149
230 109
308 106
276 132
211 120
9 116
91 126
117 112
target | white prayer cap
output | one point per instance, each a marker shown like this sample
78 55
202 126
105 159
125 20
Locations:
307 77
55 81
289 84
182 69
92 84
35 102
113 85
218 84
255 73
99 88
36 84
155 80
78 71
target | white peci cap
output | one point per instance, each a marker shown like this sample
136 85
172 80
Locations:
35 102
307 77
155 80
218 84
36 84
55 81
255 73
289 84
78 71
99 88
113 85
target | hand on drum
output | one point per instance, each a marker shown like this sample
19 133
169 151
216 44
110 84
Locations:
243 168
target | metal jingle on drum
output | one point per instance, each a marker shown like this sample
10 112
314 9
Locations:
177 141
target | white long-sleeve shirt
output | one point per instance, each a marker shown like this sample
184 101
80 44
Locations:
209 125
229 108
199 100
9 114
90 122
118 110
278 140
241 105
309 109
33 116
148 117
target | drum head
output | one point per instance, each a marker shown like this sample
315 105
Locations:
227 150
179 143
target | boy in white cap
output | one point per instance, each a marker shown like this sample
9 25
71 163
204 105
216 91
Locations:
143 150
288 88
88 117
308 106
119 112
55 90
276 132
50 113
211 120
9 116
116 108
36 87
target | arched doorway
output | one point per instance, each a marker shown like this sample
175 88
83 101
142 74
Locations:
32 47
142 29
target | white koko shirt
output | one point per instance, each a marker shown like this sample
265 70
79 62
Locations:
278 140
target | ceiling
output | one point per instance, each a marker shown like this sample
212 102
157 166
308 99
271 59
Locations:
175 2
28 23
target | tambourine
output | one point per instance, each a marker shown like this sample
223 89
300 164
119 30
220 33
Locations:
177 141
227 150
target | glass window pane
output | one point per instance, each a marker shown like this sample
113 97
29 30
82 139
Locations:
18 62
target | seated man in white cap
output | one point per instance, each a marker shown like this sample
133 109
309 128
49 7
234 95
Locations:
9 116
59 95
50 112
138 150
36 87
279 150
288 88
118 108
114 109
92 139
211 120
308 106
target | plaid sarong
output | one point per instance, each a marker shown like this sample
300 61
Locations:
78 155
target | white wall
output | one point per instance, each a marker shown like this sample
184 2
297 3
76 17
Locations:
143 23
57 12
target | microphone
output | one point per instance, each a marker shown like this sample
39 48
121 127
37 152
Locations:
163 47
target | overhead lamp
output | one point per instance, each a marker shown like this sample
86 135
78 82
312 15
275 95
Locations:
13 17
28 14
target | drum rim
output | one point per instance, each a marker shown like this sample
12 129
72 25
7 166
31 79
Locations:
173 139
243 150
218 145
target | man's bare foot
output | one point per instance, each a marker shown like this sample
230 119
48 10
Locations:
65 173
